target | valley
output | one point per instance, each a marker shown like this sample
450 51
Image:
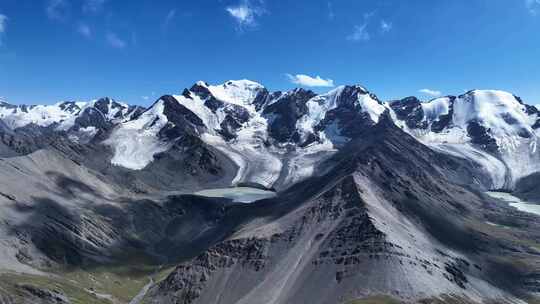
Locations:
231 193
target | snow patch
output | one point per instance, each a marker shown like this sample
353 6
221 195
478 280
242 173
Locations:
40 115
136 142
240 92
434 109
370 106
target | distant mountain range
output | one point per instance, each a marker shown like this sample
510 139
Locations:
271 135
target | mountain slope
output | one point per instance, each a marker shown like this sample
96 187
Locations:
383 214
104 196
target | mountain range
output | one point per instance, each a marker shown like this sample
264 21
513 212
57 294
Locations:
365 201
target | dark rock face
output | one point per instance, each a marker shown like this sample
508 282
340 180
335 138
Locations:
285 112
480 136
135 111
92 117
264 97
201 91
530 110
213 104
444 121
181 120
410 110
348 115
70 106
197 158
235 117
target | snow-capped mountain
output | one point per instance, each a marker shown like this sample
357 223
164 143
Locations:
272 137
80 119
18 116
369 198
493 128
277 138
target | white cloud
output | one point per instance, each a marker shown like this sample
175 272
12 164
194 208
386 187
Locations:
168 19
533 6
93 6
363 32
57 9
360 33
3 21
115 41
386 26
84 30
245 13
430 92
3 26
308 81
331 14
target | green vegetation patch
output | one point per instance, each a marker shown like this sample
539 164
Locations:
375 300
15 288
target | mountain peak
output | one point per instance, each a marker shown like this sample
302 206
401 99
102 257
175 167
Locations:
239 92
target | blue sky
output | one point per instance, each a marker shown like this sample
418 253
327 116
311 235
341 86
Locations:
136 50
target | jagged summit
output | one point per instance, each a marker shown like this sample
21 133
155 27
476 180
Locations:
269 133
233 91
265 133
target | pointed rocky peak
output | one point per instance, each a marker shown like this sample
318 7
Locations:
200 89
69 106
105 103
407 102
111 110
109 107
264 98
339 115
351 102
243 93
294 100
176 113
284 112
358 98
240 92
410 110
